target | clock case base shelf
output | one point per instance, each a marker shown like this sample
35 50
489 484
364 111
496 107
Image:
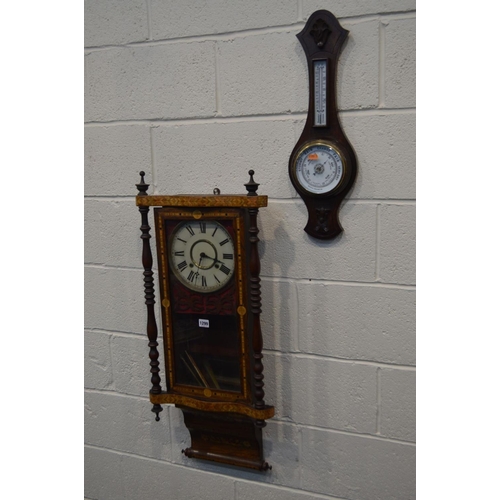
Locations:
225 438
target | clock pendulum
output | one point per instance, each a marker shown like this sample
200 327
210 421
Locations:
322 166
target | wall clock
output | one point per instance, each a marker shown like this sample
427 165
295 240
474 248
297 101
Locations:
322 165
208 267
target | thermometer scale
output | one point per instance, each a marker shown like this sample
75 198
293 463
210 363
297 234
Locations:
320 93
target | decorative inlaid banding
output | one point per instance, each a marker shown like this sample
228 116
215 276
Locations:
214 406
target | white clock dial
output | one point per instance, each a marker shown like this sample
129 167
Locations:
202 255
319 168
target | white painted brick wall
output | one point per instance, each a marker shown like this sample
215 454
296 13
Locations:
230 149
137 82
193 18
115 22
112 155
195 94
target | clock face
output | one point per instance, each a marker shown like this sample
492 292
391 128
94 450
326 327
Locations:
319 168
202 255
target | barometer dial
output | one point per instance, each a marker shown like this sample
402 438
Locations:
319 168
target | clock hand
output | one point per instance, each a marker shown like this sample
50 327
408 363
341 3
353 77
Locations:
203 255
199 267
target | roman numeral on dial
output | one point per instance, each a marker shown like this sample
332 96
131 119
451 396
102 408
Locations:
225 269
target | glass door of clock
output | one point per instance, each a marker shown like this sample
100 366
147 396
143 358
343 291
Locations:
207 351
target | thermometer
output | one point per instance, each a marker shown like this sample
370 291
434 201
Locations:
320 93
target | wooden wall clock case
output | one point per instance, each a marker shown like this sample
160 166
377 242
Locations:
208 261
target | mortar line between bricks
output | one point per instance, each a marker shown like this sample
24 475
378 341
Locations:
377 243
300 439
212 473
299 425
397 286
118 333
202 120
96 265
360 201
359 434
134 455
112 196
111 361
170 424
381 63
115 393
216 77
379 402
296 333
229 35
153 161
208 37
313 356
148 19
370 362
307 281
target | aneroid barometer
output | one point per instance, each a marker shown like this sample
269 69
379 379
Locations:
322 165
208 270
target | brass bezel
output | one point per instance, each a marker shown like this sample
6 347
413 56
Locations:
293 170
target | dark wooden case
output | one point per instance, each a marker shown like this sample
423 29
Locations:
322 39
216 379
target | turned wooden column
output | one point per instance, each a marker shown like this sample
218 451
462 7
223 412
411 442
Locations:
152 329
255 301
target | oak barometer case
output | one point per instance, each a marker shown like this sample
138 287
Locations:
208 270
322 165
